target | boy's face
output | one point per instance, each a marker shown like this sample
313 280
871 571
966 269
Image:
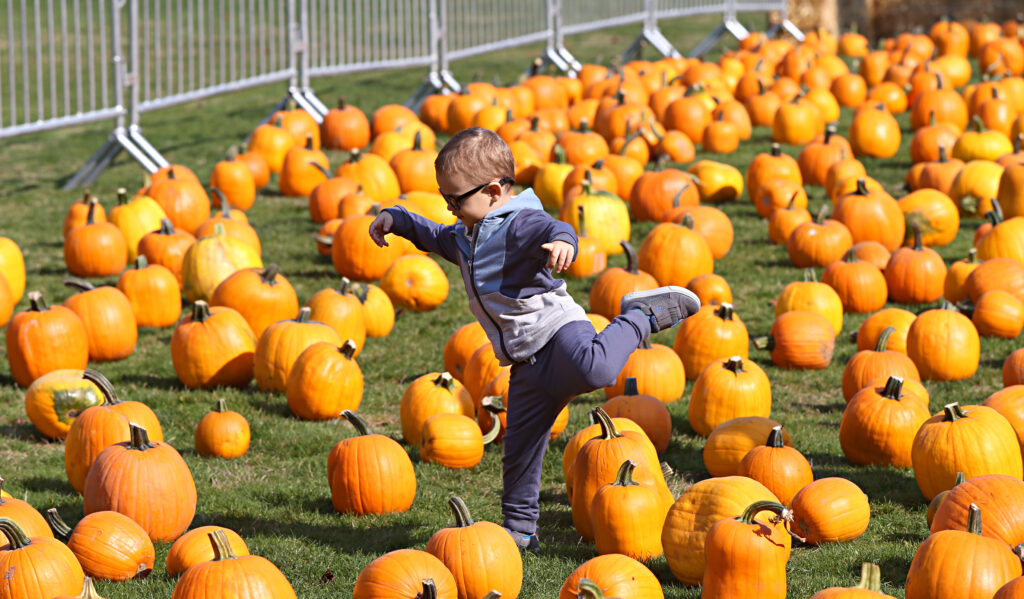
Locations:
469 199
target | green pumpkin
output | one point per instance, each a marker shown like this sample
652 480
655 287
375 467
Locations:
54 400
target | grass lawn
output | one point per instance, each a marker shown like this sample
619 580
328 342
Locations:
277 495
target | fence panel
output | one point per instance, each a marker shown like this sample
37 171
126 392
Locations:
761 6
57 64
580 16
670 9
480 26
192 49
346 36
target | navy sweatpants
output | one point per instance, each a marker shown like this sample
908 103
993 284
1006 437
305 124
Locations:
576 360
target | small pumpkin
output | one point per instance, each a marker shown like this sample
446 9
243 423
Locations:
728 389
152 290
730 442
95 249
108 317
370 474
628 517
415 283
24 515
744 553
43 339
612 575
222 433
167 246
944 327
830 510
800 339
870 586
455 441
405 573
611 285
783 470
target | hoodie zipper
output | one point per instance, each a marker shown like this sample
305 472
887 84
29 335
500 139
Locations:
476 292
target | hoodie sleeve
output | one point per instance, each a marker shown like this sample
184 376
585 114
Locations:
533 228
424 233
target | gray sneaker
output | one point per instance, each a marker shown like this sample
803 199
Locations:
666 306
525 542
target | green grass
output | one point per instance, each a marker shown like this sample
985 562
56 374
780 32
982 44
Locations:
277 495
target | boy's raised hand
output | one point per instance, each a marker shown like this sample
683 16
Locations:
380 227
560 255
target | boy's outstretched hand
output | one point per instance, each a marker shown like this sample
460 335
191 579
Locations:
380 227
561 255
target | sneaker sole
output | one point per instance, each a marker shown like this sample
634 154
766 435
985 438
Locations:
692 301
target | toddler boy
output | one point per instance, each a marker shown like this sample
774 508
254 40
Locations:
505 245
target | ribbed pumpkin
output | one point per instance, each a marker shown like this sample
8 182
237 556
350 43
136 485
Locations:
108 318
830 510
37 566
304 168
415 283
730 442
870 586
281 344
915 275
108 545
341 310
152 290
981 566
345 127
1013 368
728 389
874 132
800 339
481 555
941 328
135 219
879 424
167 247
356 256
782 469
998 273
235 225
872 215
607 216
611 285
646 410
405 573
213 347
147 481
938 454
373 173
95 249
325 381
211 260
1009 402
811 296
235 181
184 200
101 426
743 554
615 575
867 365
628 516
455 441
54 400
998 314
1003 240
658 370
819 242
261 296
597 463
999 495
956 277
975 186
713 332
228 576
460 347
674 253
24 515
859 284
78 213
222 433
934 213
430 394
711 289
695 512
194 547
369 474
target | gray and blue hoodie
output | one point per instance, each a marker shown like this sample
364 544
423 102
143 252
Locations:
511 291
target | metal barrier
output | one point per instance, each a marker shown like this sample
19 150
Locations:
68 62
58 65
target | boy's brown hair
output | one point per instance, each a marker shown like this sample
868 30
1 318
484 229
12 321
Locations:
478 151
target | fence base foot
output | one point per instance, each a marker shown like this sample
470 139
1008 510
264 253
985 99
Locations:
437 82
656 39
127 139
560 58
728 26
787 26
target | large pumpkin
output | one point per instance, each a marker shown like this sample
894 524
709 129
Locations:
405 573
212 347
369 474
726 389
261 296
612 575
713 332
152 290
944 345
36 567
879 424
24 515
674 253
43 339
108 317
830 510
997 494
211 260
194 547
236 576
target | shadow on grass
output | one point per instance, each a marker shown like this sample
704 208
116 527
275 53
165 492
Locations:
271 406
880 484
22 430
42 484
167 383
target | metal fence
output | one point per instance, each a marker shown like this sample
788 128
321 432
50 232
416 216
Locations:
69 62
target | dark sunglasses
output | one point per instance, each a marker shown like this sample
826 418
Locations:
456 201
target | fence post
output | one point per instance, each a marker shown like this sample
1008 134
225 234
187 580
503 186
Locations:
555 53
440 79
126 135
728 25
785 24
650 34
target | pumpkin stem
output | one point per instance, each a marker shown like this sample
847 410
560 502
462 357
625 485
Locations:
917 238
625 476
579 218
747 517
893 387
15 536
140 438
809 276
960 479
775 437
221 546
460 512
79 284
362 428
559 150
972 256
327 173
978 125
346 284
822 214
679 194
429 590
630 387
953 412
776 149
588 589
60 528
870 577
645 344
607 426
269 274
883 339
90 217
324 240
225 206
122 196
631 261
200 311
974 519
444 380
355 155
734 364
725 311
493 404
765 342
106 387
687 221
141 262
943 157
792 200
2 500
221 406
166 226
89 590
494 431
304 314
36 302
862 187
348 349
